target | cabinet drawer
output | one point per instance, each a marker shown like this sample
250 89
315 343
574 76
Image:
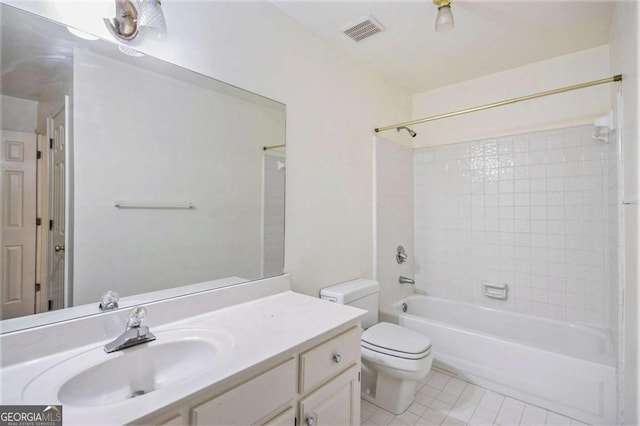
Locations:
284 419
329 358
176 420
249 402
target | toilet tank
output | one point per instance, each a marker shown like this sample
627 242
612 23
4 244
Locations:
360 293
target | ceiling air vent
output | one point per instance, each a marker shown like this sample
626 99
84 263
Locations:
363 28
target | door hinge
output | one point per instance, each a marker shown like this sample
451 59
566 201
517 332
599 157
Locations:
37 286
38 221
49 305
51 225
50 143
38 155
295 421
359 376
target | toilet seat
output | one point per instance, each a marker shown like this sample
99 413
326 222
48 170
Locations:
394 358
396 341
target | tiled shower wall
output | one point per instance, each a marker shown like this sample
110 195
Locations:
530 211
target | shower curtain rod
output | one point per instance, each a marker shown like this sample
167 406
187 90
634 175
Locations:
501 103
266 148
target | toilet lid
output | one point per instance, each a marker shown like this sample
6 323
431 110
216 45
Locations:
394 339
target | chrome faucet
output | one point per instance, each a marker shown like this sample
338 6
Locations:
405 280
109 301
135 334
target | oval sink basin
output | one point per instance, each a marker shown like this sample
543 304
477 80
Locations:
140 371
95 378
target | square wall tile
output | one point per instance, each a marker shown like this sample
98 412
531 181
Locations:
533 203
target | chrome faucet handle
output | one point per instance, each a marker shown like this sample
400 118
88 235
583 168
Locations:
401 255
136 317
109 300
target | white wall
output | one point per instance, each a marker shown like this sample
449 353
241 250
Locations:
18 115
133 142
625 60
567 109
394 218
333 105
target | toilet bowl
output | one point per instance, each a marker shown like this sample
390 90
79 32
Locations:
394 358
401 358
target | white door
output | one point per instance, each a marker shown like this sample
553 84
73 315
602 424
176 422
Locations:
18 217
57 211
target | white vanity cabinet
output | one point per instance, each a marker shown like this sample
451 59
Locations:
315 384
252 402
173 419
336 403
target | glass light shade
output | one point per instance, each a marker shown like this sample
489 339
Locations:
151 21
444 20
129 51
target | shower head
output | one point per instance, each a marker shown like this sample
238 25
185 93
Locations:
411 132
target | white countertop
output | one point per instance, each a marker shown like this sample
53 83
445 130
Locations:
260 329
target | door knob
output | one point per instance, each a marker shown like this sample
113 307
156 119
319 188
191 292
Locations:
58 248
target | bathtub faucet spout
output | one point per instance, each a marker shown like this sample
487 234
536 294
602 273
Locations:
405 280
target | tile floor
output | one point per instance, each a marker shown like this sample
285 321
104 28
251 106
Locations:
442 399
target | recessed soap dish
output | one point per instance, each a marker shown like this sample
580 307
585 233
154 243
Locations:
495 291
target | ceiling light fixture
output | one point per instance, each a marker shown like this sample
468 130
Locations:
151 21
143 16
444 20
123 26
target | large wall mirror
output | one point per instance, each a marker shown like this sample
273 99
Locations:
123 172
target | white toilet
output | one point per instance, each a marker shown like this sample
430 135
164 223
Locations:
394 358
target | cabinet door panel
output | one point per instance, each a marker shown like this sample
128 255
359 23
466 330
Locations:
336 403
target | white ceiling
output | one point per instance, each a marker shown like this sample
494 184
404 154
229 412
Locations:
488 36
45 72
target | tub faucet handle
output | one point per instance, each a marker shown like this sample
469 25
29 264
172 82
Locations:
401 255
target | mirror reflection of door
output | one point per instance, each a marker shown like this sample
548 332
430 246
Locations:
33 218
57 217
18 236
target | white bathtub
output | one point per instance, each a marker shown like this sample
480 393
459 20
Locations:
565 368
